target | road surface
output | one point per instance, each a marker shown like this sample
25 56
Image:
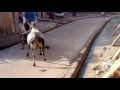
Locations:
65 42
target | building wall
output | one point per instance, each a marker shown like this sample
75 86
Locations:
7 25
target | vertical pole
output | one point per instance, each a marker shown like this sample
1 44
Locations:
41 14
118 38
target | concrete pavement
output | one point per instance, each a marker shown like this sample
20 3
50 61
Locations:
65 43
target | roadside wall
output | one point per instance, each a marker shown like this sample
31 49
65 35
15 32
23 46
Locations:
8 23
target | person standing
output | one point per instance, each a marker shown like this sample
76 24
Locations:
30 19
51 15
21 22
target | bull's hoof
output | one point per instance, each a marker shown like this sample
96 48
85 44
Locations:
47 47
34 64
44 59
40 53
27 55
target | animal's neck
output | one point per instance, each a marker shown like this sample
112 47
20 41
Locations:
32 29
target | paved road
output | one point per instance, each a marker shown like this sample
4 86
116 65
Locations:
65 42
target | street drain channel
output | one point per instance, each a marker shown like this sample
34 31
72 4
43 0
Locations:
82 70
84 66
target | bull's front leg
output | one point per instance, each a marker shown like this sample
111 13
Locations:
23 43
44 58
33 54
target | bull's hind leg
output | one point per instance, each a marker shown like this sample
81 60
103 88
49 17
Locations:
43 47
33 54
43 54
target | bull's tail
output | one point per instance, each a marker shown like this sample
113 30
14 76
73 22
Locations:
47 47
43 43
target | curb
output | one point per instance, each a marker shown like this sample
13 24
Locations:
46 20
77 64
58 25
6 44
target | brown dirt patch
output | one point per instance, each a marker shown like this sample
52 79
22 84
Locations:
103 51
